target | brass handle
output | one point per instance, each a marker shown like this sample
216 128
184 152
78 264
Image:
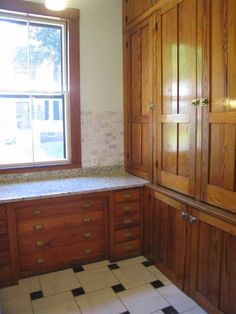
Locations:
128 248
150 107
192 219
87 205
127 221
86 219
87 234
127 195
40 260
38 227
40 243
36 211
128 235
195 102
204 102
88 251
184 215
127 209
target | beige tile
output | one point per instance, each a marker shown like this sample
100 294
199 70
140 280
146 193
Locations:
180 301
142 300
159 275
24 287
57 282
96 265
133 275
103 301
96 279
57 304
20 305
132 261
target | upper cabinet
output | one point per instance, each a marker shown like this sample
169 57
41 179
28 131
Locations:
219 103
138 101
134 8
175 89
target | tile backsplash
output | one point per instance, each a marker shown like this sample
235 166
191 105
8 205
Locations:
102 138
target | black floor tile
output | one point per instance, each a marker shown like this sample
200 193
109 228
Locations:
113 266
147 263
36 295
118 288
78 291
157 284
170 310
127 312
78 269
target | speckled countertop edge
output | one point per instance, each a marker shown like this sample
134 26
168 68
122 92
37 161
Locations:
22 191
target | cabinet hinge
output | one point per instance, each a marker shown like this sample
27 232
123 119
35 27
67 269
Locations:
156 26
127 45
156 163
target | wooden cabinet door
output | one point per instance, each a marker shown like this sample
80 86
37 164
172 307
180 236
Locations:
169 243
138 68
213 263
134 8
176 87
219 116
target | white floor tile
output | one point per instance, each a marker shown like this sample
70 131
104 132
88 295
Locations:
132 261
57 304
100 302
180 301
97 279
196 310
143 300
58 282
159 275
133 275
96 265
20 305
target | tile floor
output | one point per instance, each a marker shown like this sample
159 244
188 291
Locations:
130 286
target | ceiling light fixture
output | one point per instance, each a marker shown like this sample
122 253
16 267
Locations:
55 5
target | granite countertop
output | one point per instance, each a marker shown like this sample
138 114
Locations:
11 192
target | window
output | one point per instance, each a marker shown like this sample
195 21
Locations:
39 88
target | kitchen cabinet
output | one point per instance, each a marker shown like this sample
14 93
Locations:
138 99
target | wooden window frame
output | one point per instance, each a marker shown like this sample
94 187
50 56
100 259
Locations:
72 18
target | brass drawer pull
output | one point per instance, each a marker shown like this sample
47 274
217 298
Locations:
40 260
127 209
86 219
127 221
40 243
127 195
128 248
88 251
128 235
38 227
36 211
87 234
87 205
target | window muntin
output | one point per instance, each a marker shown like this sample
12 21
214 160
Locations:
33 92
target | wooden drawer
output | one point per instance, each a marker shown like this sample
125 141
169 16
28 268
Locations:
60 238
127 208
2 213
5 276
4 258
68 255
3 227
127 248
39 225
4 243
57 209
127 221
127 195
127 234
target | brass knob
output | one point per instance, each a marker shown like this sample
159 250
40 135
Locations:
87 205
40 243
127 221
127 209
38 227
87 234
150 107
40 260
128 235
184 215
86 219
204 102
36 211
195 102
128 248
192 219
88 251
127 195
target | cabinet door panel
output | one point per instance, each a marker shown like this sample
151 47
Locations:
219 117
176 86
134 8
169 238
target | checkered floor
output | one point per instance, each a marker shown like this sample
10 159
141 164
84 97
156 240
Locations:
129 286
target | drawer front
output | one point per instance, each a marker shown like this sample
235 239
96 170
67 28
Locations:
3 227
4 258
127 248
54 223
5 276
125 235
127 221
60 238
127 208
62 256
76 207
4 244
127 195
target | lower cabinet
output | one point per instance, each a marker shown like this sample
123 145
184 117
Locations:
194 249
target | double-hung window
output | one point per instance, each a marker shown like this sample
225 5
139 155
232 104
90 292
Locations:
36 91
